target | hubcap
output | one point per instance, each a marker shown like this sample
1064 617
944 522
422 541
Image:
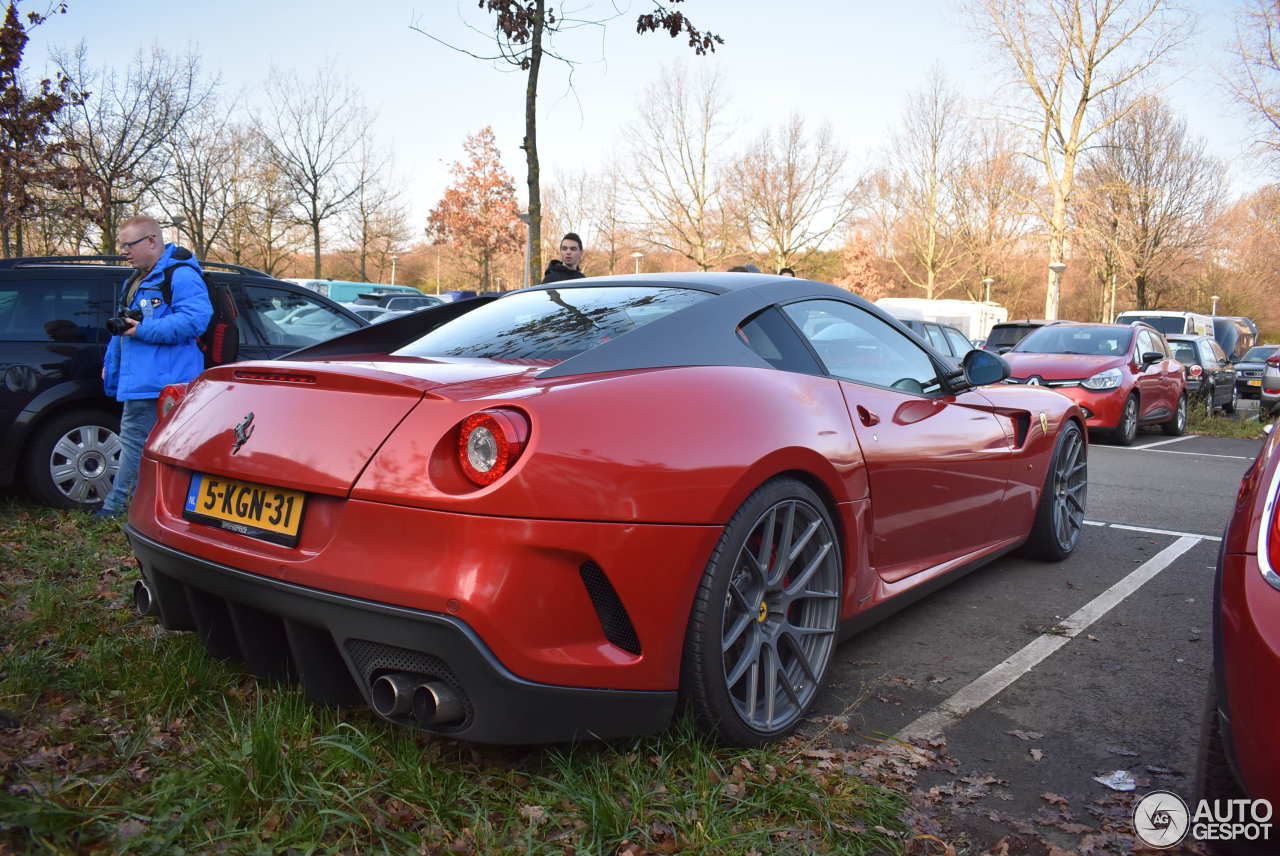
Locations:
1130 418
780 615
83 463
1180 418
1070 487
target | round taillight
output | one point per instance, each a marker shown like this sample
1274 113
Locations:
489 443
1196 371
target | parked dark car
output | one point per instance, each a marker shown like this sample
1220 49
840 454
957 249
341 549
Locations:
57 427
1234 335
1249 370
942 337
1211 377
397 302
1006 334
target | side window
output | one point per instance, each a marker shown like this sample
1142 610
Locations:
1143 340
769 335
46 310
939 341
290 319
1158 344
857 346
959 344
1218 354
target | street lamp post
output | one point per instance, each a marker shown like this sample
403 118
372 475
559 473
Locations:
1215 305
987 281
176 223
394 259
637 255
1055 288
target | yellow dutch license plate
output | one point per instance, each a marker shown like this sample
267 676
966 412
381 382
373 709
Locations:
259 511
1257 382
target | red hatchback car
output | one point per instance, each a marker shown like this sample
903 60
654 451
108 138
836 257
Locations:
555 513
1239 749
1122 376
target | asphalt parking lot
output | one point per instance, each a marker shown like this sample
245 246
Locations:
1040 677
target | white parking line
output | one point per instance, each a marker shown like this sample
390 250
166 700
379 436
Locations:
1094 448
1172 532
1167 442
986 687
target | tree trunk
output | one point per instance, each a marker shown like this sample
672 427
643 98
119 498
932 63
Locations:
1140 290
18 242
315 246
531 147
1057 251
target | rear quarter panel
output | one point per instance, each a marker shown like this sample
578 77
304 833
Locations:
681 445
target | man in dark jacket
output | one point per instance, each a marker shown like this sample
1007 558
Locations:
152 353
566 267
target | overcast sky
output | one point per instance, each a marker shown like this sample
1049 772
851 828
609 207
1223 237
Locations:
850 62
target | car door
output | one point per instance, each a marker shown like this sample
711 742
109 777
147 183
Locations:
937 462
274 321
1224 373
52 342
1152 397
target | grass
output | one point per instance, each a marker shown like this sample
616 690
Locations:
1244 424
117 736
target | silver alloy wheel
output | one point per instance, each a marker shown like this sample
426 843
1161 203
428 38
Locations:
1070 489
1129 419
84 461
781 612
1180 416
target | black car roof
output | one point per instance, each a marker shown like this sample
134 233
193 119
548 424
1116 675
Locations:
701 334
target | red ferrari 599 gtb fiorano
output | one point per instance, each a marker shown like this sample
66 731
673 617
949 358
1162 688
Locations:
558 513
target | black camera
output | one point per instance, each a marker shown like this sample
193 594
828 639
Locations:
117 326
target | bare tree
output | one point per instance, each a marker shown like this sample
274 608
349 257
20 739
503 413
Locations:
916 198
261 230
613 236
791 192
313 131
377 223
995 198
1156 195
199 193
1255 81
523 31
676 178
121 131
1066 54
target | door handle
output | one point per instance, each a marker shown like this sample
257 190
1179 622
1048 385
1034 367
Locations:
867 417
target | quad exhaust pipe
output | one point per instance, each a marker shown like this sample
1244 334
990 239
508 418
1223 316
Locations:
144 600
429 702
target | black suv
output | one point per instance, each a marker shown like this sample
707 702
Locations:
57 427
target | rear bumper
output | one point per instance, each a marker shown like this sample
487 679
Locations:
338 645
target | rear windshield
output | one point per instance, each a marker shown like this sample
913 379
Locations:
1163 323
551 324
1184 352
1007 335
1258 354
1071 339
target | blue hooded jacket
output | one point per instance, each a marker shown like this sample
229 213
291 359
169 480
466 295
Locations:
163 349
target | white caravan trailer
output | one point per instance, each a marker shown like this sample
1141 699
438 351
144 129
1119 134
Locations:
972 317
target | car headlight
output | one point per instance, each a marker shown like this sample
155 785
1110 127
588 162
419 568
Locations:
1109 379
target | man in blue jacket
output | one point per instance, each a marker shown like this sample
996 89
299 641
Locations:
158 350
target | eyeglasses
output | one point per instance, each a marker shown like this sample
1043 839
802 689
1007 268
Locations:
128 245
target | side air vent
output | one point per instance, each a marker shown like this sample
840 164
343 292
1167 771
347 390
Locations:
614 620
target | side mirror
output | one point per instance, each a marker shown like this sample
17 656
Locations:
983 367
1151 357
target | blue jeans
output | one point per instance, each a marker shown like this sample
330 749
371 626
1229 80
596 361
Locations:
136 422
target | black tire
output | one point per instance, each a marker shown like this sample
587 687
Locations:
754 615
1060 513
1208 403
1230 406
1125 433
1177 426
1214 777
72 459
